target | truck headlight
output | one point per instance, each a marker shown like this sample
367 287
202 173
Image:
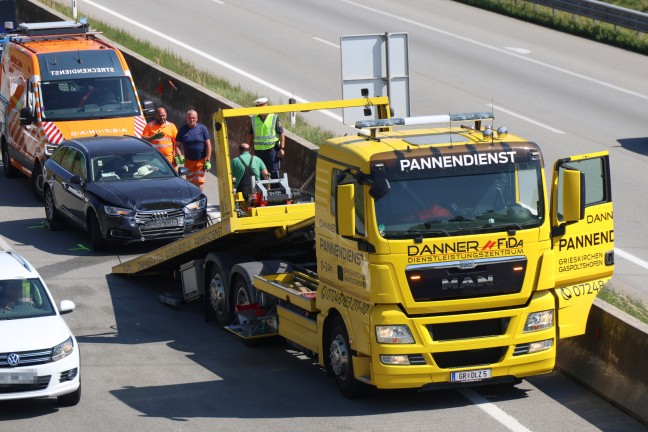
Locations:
199 204
539 321
394 334
540 346
63 350
117 211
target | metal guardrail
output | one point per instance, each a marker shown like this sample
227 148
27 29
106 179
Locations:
601 11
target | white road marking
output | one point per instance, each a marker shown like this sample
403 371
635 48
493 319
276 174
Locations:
489 408
631 258
518 50
521 117
210 58
500 50
326 42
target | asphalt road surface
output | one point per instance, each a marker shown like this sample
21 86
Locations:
147 366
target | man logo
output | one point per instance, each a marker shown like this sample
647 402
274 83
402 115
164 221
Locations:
466 282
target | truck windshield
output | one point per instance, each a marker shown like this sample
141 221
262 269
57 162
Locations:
88 98
509 199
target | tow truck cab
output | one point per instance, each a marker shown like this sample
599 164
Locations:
444 256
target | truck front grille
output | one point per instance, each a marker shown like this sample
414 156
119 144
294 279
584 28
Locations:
468 329
457 280
459 359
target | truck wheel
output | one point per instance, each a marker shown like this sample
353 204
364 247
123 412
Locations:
216 304
340 361
9 170
99 243
54 218
38 180
242 293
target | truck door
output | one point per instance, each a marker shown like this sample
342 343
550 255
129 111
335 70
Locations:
582 236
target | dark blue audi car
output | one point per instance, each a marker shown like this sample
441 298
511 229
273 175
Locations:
120 190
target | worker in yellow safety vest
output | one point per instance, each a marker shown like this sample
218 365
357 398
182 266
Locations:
268 138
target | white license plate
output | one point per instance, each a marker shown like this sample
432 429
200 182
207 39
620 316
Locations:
162 223
26 377
473 375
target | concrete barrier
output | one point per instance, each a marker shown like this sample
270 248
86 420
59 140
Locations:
610 359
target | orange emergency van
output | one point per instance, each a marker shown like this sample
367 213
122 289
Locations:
58 80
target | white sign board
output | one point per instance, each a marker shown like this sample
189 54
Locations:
377 65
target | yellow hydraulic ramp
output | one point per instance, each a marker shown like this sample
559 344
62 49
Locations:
259 224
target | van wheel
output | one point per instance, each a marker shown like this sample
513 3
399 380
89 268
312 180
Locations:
339 361
54 218
38 181
70 399
99 243
9 170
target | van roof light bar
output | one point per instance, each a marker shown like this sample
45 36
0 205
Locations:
53 28
423 120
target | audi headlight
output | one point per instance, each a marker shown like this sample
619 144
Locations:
199 204
394 334
539 321
63 350
117 211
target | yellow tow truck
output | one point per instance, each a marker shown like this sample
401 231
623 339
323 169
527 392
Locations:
431 254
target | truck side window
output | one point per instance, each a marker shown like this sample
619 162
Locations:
596 189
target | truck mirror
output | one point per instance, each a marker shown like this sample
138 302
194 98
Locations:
148 110
345 210
75 179
573 195
379 189
26 117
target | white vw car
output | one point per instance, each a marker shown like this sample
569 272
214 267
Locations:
39 356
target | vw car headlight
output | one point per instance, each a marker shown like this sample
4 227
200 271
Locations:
117 211
199 204
539 321
63 350
394 334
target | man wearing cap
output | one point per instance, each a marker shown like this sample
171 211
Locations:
194 141
268 138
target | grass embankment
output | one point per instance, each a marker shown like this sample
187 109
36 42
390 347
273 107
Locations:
568 23
244 98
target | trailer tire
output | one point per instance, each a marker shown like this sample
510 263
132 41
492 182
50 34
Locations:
339 361
216 303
